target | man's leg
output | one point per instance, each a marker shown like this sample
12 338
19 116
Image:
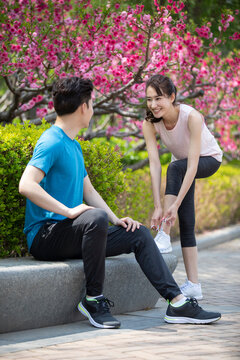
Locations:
81 238
147 255
180 310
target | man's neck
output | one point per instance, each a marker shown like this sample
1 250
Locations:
69 125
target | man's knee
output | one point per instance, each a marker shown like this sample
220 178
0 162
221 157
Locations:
143 236
99 218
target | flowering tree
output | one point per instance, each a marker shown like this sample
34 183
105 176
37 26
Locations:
42 40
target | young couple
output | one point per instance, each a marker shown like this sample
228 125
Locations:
59 226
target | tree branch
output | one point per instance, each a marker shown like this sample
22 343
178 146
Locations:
192 95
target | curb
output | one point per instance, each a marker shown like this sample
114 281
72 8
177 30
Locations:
212 238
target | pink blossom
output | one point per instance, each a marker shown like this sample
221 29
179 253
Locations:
39 98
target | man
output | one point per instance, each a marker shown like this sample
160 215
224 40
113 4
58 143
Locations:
59 226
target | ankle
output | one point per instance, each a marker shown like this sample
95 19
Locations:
177 298
194 281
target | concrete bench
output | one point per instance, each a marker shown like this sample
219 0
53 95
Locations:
36 294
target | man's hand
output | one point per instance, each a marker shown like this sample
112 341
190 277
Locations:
128 223
78 210
156 218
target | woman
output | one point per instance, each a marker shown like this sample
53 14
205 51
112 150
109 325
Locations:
195 154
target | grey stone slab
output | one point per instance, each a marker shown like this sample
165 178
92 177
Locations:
37 294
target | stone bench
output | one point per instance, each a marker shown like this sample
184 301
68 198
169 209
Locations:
36 294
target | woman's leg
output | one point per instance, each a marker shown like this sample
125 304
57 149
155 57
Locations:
81 238
186 213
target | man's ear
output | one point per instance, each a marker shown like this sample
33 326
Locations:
83 108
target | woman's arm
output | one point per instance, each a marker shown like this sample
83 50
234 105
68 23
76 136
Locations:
155 170
195 122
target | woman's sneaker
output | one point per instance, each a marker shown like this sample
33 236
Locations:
97 310
163 242
191 290
190 313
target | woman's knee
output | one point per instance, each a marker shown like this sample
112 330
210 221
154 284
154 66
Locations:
175 175
177 168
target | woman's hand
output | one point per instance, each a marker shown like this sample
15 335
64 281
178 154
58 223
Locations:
156 218
128 223
171 215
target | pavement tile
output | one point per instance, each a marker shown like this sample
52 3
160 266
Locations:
163 341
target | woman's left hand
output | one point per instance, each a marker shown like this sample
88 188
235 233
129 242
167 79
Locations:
171 215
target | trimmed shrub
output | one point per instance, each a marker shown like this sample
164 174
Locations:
16 147
127 194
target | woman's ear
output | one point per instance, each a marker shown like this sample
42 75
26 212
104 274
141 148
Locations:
173 97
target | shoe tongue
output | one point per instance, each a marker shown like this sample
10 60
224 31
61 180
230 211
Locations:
99 297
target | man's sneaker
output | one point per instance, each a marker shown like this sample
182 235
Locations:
190 313
97 310
163 242
191 290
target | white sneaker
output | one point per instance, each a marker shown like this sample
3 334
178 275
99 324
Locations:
163 242
191 290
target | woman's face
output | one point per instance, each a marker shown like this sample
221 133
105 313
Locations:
158 104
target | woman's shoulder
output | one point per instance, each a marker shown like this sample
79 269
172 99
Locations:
184 108
147 125
188 111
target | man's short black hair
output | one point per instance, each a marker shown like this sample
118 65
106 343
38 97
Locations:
70 93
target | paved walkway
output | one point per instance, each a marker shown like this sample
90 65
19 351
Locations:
143 334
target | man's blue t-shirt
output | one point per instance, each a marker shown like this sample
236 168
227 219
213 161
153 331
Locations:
62 161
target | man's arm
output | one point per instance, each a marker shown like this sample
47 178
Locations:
92 198
29 187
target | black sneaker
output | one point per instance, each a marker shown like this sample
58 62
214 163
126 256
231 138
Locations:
98 312
190 313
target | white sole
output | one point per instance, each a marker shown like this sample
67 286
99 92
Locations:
186 320
193 297
84 311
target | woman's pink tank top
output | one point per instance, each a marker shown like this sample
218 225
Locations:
177 140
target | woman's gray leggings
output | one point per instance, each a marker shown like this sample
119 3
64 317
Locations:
207 166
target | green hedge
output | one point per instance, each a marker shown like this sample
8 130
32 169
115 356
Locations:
128 194
16 146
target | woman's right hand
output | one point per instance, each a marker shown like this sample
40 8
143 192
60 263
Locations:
156 218
78 210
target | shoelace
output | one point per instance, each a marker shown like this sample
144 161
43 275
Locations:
105 304
194 303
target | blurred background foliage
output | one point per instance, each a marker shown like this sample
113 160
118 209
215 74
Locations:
199 12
